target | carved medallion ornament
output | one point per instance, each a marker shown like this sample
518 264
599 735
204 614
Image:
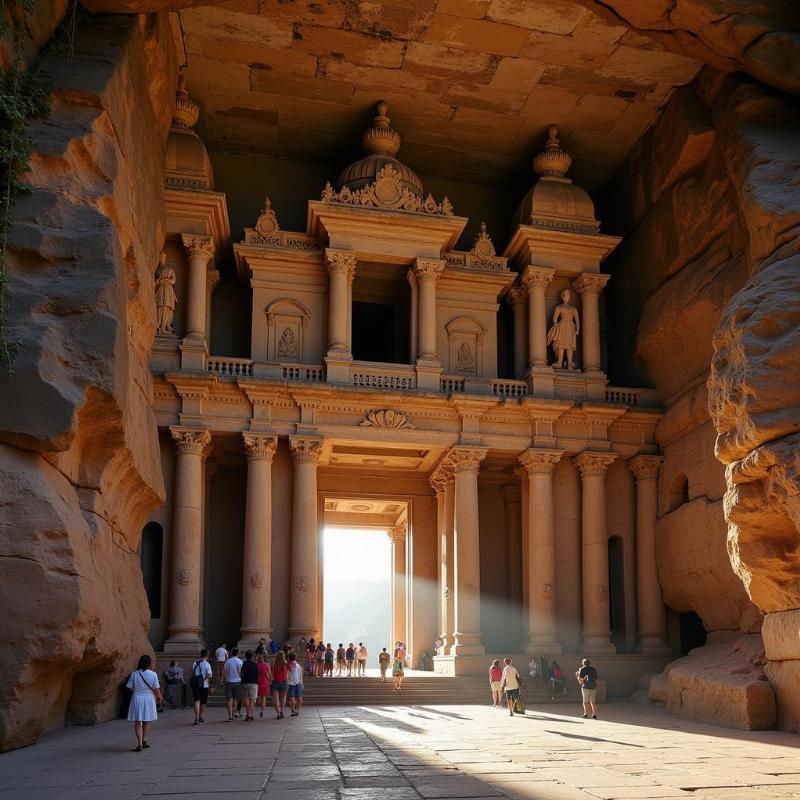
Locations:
302 584
547 591
183 576
601 594
259 445
256 580
386 418
483 247
386 191
190 441
267 222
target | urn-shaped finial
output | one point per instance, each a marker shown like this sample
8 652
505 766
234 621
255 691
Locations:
552 162
186 110
381 138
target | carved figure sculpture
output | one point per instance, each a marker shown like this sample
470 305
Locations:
165 295
563 333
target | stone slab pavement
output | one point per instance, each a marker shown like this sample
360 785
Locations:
407 753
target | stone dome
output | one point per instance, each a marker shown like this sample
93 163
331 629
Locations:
381 142
187 165
555 201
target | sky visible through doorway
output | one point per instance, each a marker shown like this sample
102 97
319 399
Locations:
357 589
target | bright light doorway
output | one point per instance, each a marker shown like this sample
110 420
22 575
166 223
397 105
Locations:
357 589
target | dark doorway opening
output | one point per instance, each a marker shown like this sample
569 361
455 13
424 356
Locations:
616 590
374 337
151 554
693 633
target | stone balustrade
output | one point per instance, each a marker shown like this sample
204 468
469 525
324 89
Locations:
371 375
230 367
303 372
502 387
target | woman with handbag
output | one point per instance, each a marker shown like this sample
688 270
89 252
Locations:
143 682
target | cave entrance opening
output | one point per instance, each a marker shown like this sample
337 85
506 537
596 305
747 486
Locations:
357 590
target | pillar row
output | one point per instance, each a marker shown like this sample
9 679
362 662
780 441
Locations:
466 463
306 453
649 601
535 281
199 251
257 557
186 570
542 618
594 534
589 285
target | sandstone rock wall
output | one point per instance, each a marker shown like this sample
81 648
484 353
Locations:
79 460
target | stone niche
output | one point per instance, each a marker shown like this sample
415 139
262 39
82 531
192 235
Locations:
79 461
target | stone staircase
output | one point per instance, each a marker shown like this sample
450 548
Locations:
418 689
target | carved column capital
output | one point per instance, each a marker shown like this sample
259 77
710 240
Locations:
305 450
198 246
212 279
397 534
342 262
428 269
645 467
539 461
441 477
467 459
190 440
536 278
589 463
592 282
516 296
261 446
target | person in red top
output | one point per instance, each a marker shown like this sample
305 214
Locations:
264 679
495 677
280 674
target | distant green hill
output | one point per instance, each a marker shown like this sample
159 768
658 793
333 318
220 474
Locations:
358 611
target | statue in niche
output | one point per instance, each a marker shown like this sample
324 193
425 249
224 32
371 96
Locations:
464 360
165 295
287 344
563 333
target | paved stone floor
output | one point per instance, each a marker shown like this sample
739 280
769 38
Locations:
399 753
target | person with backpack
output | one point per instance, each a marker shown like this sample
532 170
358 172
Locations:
198 683
587 678
511 682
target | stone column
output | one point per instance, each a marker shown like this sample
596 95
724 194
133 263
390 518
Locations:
589 285
649 602
512 517
412 345
212 281
199 251
397 536
427 272
596 620
257 563
341 266
186 573
306 452
467 605
522 633
517 299
535 281
542 617
442 482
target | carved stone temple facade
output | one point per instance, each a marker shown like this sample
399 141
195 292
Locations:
520 504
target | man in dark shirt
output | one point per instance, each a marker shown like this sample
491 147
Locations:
587 678
249 684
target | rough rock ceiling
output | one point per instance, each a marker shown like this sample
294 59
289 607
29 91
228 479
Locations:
471 84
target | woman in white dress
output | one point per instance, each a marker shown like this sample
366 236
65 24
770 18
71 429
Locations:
143 682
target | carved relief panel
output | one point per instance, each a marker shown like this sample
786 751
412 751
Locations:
465 336
287 320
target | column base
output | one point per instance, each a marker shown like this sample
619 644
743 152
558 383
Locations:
546 644
597 645
467 644
337 366
194 353
428 374
541 380
184 642
653 646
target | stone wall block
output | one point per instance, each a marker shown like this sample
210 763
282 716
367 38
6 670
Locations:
785 678
781 634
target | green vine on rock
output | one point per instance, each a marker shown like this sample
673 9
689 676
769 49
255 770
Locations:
24 97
